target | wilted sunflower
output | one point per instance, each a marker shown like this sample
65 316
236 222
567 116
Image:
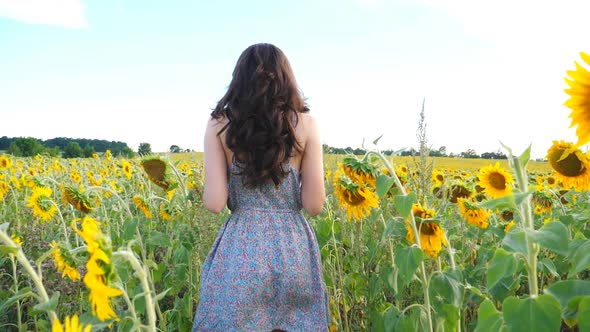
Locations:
78 199
542 202
356 198
41 203
359 171
472 213
432 237
570 165
579 101
495 180
158 171
458 190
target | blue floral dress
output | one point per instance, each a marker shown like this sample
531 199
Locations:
264 270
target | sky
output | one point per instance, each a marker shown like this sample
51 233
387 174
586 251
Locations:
144 71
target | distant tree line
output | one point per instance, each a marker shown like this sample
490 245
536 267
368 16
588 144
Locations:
440 152
62 146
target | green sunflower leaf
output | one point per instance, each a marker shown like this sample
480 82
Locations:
538 314
584 314
403 204
503 264
568 293
580 258
552 236
407 260
488 318
383 184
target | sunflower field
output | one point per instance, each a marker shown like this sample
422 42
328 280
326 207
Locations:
407 244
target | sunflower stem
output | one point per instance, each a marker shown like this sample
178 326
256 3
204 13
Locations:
423 276
143 277
526 211
22 259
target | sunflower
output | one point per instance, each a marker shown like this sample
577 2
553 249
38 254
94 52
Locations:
495 180
357 199
5 162
64 262
420 212
508 226
432 237
359 171
126 168
77 199
71 325
4 189
41 203
472 213
570 165
579 99
99 268
458 190
141 204
108 155
158 171
75 176
542 202
438 177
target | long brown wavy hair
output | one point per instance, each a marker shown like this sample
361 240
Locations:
261 105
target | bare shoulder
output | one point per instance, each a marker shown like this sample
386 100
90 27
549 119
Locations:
307 127
217 124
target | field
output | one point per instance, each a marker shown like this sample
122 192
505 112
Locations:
120 243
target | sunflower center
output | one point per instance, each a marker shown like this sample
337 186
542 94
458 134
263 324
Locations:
440 177
354 198
497 180
569 166
428 228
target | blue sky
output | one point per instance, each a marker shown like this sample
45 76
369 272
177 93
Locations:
150 71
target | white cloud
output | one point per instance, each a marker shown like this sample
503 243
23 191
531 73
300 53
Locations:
66 13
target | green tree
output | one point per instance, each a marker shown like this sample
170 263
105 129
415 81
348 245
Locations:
73 150
89 151
26 147
144 149
127 152
175 149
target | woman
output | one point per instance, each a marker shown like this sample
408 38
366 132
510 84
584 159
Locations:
263 157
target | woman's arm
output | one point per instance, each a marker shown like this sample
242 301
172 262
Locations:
313 193
215 187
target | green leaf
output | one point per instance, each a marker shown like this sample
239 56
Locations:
552 236
21 294
525 157
383 184
162 294
580 259
532 314
550 266
158 239
565 290
377 139
407 261
488 318
503 264
403 204
129 229
584 314
49 305
515 242
5 250
446 289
